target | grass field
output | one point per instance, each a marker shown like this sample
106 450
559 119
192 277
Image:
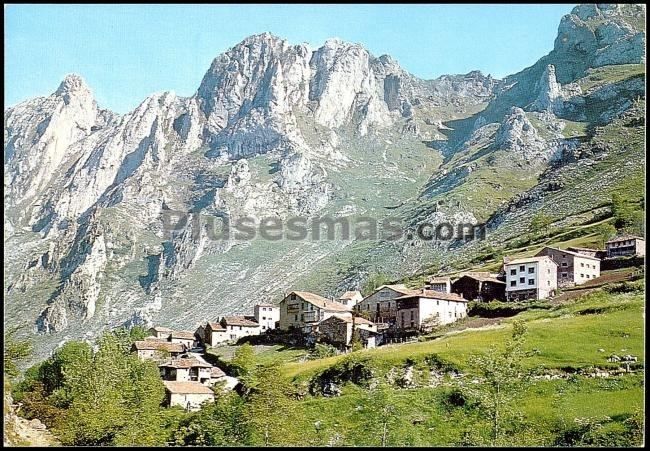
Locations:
618 329
577 335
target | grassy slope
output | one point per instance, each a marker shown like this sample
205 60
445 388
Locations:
566 336
549 332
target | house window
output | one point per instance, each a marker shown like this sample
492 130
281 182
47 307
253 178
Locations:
522 280
531 281
513 272
564 264
548 282
239 327
377 306
531 270
582 275
293 297
565 275
263 327
513 283
412 315
296 317
437 302
302 317
582 265
522 268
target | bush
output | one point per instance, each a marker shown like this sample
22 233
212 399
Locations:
626 287
498 309
350 369
322 351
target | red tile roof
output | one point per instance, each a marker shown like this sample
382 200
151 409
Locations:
432 294
187 387
154 345
239 321
321 302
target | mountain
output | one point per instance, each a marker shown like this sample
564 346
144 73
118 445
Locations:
277 131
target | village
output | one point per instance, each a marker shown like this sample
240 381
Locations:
390 313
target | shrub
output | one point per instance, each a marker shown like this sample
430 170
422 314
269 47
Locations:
497 309
352 368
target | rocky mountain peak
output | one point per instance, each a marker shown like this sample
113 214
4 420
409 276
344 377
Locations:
596 35
73 84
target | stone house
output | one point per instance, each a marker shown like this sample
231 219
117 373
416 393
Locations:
350 298
573 268
188 395
214 334
338 330
186 369
160 332
480 287
183 337
239 326
530 278
266 315
441 284
157 349
381 306
627 245
304 310
428 308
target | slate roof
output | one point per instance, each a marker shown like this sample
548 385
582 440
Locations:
482 278
626 237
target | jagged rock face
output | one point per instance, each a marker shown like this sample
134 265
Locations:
39 132
271 131
599 35
518 135
553 97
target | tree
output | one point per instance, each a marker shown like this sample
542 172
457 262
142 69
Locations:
355 342
623 211
115 398
269 409
540 223
503 379
222 423
605 232
374 282
14 351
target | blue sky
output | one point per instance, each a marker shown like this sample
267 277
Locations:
126 52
